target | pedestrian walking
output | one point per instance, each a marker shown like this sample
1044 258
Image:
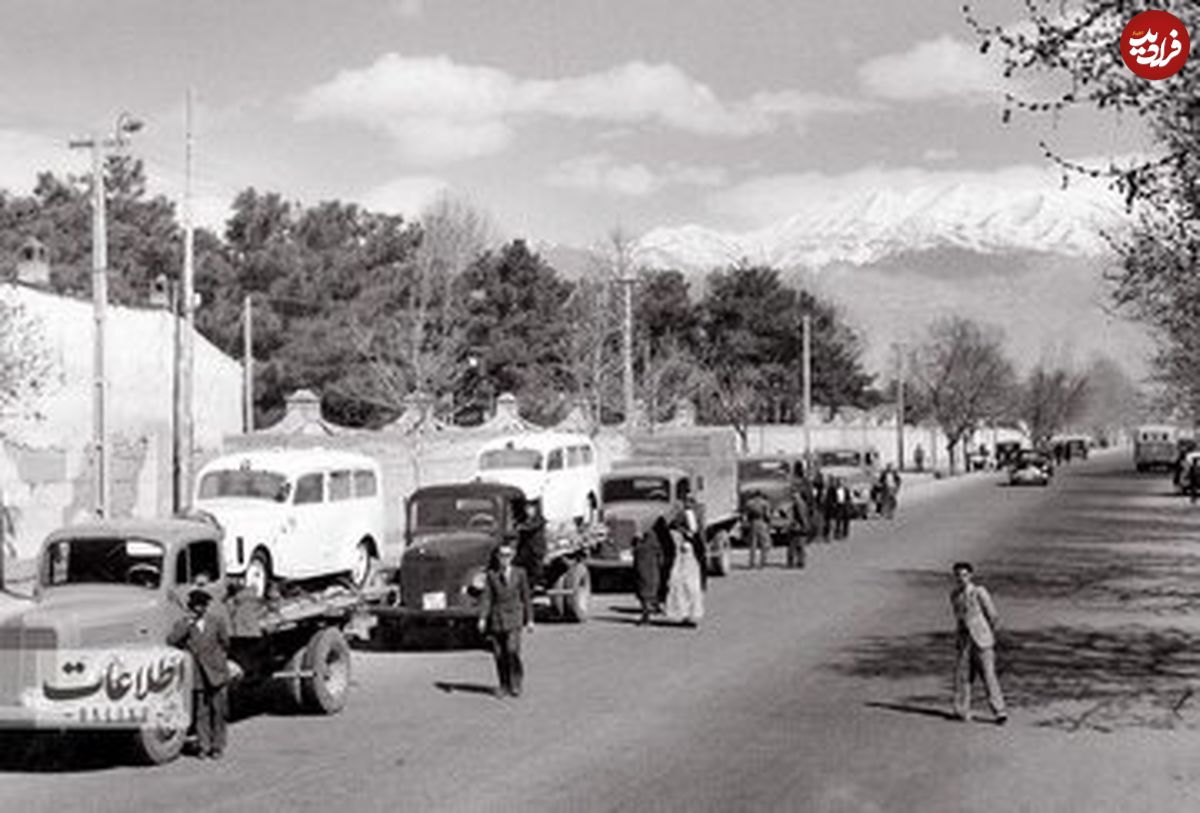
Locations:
975 639
648 567
840 497
889 490
798 532
506 610
820 508
685 595
757 511
205 634
919 457
1193 480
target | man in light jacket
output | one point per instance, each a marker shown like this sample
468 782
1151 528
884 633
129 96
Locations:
976 620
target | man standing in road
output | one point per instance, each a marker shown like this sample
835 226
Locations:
976 622
504 611
889 489
758 533
205 634
799 533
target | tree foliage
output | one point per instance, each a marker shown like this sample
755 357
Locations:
1050 400
1160 254
962 373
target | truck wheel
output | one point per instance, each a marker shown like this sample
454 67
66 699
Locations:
577 604
365 564
158 746
258 573
327 656
722 564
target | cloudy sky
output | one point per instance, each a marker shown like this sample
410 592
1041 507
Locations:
561 118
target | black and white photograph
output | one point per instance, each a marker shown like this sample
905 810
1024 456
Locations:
599 405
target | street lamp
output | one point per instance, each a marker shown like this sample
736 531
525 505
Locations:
100 146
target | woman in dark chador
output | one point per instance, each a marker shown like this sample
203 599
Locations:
648 568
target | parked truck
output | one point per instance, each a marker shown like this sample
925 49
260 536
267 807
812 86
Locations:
453 532
88 649
666 473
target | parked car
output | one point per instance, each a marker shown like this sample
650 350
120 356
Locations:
296 514
1030 467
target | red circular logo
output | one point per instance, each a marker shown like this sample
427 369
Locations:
1155 44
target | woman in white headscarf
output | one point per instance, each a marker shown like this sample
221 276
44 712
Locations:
685 593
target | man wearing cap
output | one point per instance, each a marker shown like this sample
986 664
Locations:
504 612
205 634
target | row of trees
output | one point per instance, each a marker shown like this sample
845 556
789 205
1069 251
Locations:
368 309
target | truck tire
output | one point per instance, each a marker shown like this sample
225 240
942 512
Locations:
158 746
327 656
574 592
366 564
579 582
258 573
721 564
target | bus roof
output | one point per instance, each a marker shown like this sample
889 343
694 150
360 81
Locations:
292 461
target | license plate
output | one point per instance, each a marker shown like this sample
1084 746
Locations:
433 601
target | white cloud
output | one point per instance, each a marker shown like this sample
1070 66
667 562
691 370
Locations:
603 173
437 110
407 196
944 68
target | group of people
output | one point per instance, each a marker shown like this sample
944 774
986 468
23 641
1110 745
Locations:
820 508
669 570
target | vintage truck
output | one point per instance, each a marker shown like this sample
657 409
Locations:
858 469
452 533
776 477
87 650
665 473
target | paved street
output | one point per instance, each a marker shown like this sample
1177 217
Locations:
822 690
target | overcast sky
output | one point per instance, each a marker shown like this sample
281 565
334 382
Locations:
561 118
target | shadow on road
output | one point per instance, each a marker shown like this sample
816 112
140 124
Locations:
466 688
912 708
1128 676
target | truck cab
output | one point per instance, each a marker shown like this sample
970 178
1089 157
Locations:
105 593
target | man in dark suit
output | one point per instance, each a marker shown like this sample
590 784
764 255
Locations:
205 634
504 612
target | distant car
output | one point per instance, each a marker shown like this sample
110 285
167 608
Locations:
1030 467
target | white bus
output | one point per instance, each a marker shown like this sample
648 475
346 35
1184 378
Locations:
1155 446
558 468
295 514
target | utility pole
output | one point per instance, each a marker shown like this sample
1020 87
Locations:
627 281
247 365
806 373
899 406
99 147
178 498
188 295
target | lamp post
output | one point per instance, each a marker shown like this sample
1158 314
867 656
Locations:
100 146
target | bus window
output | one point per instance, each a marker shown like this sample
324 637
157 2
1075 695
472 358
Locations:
364 483
575 456
554 460
309 489
339 485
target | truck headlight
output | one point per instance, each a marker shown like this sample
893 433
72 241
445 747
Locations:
626 555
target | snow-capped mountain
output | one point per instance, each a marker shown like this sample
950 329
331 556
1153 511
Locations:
862 227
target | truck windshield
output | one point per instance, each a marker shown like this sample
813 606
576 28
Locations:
252 483
764 470
451 512
840 458
510 459
114 560
637 489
